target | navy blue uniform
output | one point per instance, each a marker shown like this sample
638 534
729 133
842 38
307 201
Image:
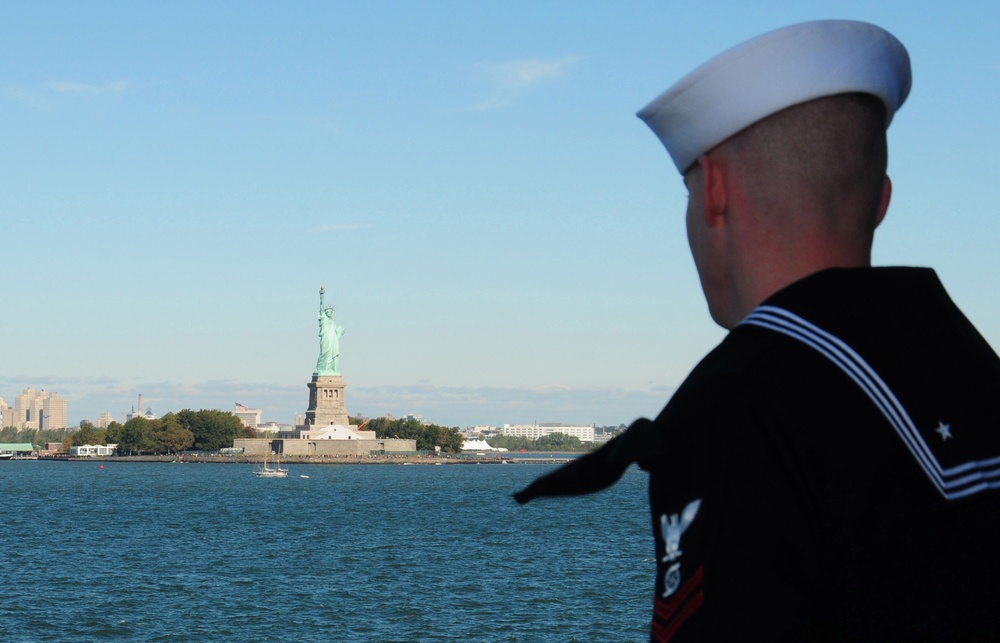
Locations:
829 472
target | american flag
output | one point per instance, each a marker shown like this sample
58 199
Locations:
241 407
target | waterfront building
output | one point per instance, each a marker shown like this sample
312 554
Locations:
51 448
535 431
15 449
92 450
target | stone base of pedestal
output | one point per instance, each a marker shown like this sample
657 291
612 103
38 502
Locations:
326 401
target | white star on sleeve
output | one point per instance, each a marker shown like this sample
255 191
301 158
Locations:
944 430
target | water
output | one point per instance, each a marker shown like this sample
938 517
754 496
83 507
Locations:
181 552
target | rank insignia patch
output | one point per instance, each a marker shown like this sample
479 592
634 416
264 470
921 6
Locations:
673 527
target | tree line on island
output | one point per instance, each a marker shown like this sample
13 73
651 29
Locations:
212 430
204 430
427 436
451 439
550 442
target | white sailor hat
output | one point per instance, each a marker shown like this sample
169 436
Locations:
774 71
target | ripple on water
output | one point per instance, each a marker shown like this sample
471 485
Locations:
154 552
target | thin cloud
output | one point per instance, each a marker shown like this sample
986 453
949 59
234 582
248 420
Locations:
115 87
26 97
509 80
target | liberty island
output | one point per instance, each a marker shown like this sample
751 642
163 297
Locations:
327 430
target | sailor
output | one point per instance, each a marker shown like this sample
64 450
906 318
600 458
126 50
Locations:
830 470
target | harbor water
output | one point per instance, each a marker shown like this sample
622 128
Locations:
208 552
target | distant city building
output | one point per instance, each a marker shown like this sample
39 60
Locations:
535 431
272 428
480 431
148 415
33 409
249 417
104 420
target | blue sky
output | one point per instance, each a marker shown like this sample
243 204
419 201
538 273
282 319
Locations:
503 239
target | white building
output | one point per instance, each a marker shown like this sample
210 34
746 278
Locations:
535 431
92 450
249 417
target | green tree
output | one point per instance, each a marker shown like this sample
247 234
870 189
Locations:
449 439
212 430
171 436
113 434
551 442
381 426
511 443
137 436
427 436
86 434
559 442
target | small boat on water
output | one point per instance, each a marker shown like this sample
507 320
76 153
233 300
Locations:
271 472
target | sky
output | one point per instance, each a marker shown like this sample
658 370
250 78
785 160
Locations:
501 237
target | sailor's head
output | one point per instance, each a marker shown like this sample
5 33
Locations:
783 137
771 73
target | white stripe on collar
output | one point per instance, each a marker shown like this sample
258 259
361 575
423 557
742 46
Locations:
955 482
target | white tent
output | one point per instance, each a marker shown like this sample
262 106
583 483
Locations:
478 445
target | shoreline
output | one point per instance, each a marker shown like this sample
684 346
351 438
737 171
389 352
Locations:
321 460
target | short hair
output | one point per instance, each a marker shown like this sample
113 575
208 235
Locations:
824 155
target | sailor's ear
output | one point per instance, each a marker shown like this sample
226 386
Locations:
714 194
883 205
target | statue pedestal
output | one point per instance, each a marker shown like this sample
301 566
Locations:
326 401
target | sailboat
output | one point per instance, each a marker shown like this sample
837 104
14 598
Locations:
271 472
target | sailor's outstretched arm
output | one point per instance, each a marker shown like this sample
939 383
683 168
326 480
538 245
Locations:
600 468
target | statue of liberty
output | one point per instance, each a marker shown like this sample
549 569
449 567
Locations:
329 340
